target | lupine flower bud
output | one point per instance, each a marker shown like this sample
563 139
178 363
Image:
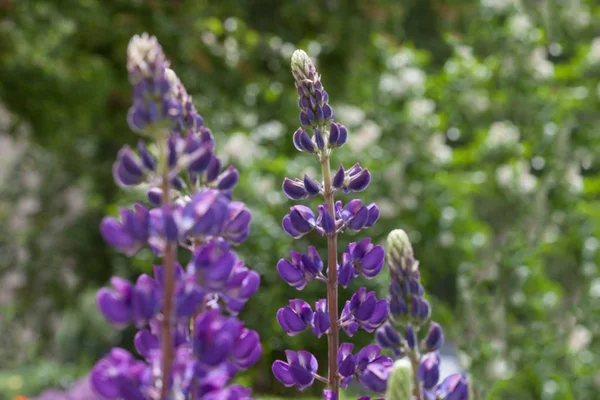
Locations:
312 187
162 228
346 364
300 221
155 196
325 220
302 268
204 215
454 387
434 339
429 370
228 179
128 170
246 350
329 395
400 252
313 99
145 300
147 158
338 179
296 317
321 318
388 338
294 189
299 370
410 336
398 307
303 142
115 304
130 234
355 216
338 135
236 227
420 308
145 342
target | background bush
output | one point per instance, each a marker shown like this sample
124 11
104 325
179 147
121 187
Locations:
479 121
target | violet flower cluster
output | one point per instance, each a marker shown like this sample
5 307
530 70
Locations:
190 343
409 313
320 135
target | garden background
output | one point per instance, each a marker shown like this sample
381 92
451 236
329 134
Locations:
479 121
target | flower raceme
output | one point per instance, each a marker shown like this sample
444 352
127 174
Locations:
190 342
409 312
320 135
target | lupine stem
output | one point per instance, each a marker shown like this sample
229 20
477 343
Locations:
169 267
332 295
414 361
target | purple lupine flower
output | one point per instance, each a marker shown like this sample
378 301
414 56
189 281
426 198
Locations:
302 269
240 286
212 263
300 221
356 179
237 225
454 387
131 233
118 375
429 370
321 322
388 338
299 370
129 169
364 308
301 189
434 339
214 337
372 368
338 135
346 364
361 258
303 142
355 216
296 317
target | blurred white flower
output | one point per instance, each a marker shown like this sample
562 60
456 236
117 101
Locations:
441 152
574 178
579 339
520 26
349 114
475 101
502 133
241 149
539 64
419 109
270 130
407 80
401 59
498 6
516 177
593 55
365 136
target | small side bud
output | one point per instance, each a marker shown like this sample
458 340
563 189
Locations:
434 339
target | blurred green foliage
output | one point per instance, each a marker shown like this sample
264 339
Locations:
478 120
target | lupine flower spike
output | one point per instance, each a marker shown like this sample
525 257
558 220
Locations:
409 313
190 343
320 135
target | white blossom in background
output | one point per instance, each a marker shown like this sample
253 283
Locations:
516 177
420 109
498 6
240 148
351 115
474 101
401 59
593 55
579 339
520 26
502 133
365 136
574 178
409 80
440 151
541 67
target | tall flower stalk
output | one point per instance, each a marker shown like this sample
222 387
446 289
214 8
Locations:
409 314
190 341
320 135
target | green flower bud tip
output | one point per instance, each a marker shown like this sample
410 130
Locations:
400 251
303 67
400 382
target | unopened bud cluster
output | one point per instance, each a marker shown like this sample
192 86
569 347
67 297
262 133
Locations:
409 313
